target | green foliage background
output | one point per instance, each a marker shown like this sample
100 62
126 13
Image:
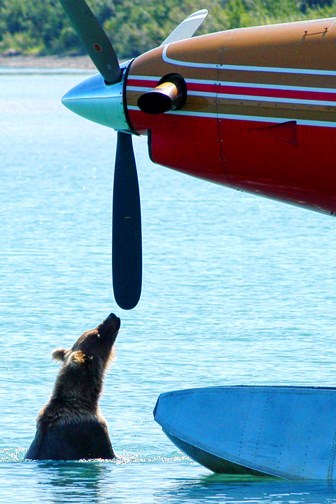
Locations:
40 27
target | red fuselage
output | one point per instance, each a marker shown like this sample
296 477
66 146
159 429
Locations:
260 113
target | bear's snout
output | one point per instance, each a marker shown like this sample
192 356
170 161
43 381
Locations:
112 318
110 325
100 339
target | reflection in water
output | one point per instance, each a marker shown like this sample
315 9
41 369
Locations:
59 479
248 489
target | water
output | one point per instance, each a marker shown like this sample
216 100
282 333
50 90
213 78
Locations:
237 290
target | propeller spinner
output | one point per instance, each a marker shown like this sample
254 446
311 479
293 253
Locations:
100 99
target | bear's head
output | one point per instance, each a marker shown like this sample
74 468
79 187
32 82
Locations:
83 365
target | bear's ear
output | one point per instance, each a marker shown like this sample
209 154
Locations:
59 354
79 358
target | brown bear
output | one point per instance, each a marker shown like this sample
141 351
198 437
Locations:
70 426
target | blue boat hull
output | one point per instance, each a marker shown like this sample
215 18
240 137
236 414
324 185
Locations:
288 432
210 461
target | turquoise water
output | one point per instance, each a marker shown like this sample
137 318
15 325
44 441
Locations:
237 290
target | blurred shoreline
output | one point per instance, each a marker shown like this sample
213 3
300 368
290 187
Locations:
47 62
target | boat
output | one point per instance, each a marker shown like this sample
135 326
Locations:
282 431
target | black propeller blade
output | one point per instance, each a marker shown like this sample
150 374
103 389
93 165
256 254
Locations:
94 39
126 236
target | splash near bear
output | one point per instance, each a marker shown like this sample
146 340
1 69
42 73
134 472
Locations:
70 426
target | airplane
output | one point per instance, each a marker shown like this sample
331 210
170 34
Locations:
253 109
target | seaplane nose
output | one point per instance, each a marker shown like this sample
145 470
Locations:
99 102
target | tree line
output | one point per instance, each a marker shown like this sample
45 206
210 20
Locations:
134 26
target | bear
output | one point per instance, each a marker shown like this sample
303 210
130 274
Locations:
70 426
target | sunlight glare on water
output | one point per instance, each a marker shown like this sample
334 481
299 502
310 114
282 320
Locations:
236 290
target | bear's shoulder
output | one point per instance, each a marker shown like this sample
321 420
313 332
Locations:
63 411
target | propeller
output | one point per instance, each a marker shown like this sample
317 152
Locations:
99 101
126 224
94 39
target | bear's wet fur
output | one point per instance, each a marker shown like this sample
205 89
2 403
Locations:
70 426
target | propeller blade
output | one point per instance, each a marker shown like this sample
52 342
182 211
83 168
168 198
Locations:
126 227
187 28
94 39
